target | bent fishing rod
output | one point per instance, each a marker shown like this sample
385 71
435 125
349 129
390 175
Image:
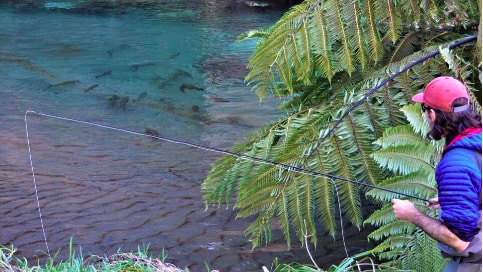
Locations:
227 152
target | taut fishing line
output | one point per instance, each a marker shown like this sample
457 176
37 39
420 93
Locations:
203 147
227 152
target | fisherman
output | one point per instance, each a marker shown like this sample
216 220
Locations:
445 103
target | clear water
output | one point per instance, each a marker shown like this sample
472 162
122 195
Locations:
108 189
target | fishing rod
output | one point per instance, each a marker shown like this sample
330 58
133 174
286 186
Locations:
384 82
226 152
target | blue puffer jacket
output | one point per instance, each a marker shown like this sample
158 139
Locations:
459 186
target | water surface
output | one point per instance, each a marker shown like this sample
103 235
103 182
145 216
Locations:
183 75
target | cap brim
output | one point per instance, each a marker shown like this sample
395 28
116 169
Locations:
419 98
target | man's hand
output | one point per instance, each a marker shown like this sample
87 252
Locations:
404 210
433 203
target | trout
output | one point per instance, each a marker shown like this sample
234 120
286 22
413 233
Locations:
141 96
113 100
150 131
106 73
123 102
90 88
189 87
68 83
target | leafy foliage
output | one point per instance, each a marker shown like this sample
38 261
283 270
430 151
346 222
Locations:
328 56
321 38
403 244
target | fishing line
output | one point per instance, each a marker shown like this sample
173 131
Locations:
293 168
35 186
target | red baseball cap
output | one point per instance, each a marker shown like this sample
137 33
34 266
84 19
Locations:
441 92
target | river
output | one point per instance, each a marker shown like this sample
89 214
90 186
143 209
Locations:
102 76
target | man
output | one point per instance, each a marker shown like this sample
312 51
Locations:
445 103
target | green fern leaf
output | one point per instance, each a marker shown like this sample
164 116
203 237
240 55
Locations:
406 159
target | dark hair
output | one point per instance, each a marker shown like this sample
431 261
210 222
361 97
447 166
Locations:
450 124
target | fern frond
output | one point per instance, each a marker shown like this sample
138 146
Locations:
261 229
323 58
415 118
393 21
358 36
418 183
375 47
400 135
394 228
222 181
324 200
406 159
336 12
254 33
381 217
406 47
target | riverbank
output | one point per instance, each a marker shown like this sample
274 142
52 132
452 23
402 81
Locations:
127 261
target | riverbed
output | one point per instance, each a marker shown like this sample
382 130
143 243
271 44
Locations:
105 80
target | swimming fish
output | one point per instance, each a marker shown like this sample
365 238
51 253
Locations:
141 96
106 73
66 50
218 99
68 83
123 102
189 87
113 100
90 88
174 55
26 65
136 66
151 131
164 84
180 73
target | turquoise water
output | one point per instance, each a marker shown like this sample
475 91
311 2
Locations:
110 189
128 53
183 73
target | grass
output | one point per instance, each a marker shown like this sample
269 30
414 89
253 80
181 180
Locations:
126 262
140 261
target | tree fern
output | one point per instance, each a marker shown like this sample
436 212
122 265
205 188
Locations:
330 36
334 119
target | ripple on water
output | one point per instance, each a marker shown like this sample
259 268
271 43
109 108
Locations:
112 189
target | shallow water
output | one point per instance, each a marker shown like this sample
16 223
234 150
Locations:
111 189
